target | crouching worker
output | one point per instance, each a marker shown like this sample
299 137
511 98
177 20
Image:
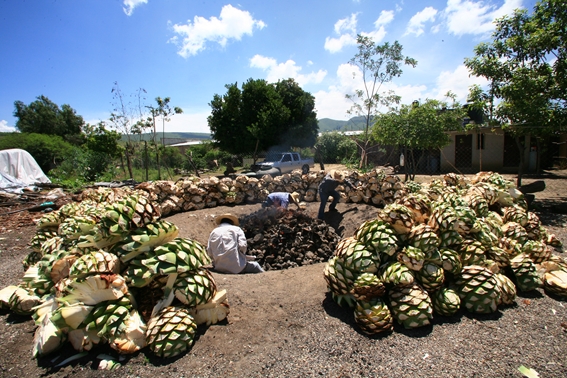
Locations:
281 199
227 247
328 188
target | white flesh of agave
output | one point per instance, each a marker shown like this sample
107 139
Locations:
5 295
75 314
44 309
211 312
47 338
82 339
26 302
133 337
95 289
168 295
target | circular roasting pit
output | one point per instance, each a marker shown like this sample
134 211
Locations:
282 239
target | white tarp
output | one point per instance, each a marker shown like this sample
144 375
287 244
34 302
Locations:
18 169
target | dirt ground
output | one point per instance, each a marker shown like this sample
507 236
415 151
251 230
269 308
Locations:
285 324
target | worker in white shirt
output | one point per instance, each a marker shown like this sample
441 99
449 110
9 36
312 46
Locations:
227 247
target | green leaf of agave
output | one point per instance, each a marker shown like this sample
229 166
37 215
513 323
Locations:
528 372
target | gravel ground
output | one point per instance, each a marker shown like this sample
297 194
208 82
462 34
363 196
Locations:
284 323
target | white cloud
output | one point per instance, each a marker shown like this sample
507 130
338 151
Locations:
194 121
416 23
278 71
129 5
384 19
4 128
232 23
346 25
334 45
379 33
346 29
332 103
475 17
458 82
408 93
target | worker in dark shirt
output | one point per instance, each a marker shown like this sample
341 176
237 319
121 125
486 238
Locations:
328 188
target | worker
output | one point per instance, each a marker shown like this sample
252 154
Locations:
328 188
282 199
227 247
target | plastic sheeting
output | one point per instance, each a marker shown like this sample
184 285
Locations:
18 170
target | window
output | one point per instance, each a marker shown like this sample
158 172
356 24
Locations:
286 157
480 141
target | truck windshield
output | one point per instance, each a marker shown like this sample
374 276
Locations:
273 158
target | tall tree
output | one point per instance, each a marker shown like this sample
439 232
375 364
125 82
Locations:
43 116
226 124
527 72
379 64
418 127
165 111
102 148
263 115
126 119
301 126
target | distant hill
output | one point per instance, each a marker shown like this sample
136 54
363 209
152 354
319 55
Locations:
355 123
325 125
170 137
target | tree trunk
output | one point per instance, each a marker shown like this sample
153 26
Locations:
481 145
157 162
146 160
522 159
129 160
122 163
190 158
413 165
538 156
320 159
255 156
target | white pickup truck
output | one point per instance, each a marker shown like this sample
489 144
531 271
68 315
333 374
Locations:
285 162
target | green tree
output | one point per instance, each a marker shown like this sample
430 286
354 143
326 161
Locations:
226 124
262 115
418 127
301 126
45 117
102 148
335 147
165 111
48 150
527 73
379 64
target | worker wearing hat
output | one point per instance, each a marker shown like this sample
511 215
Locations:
328 188
281 199
227 247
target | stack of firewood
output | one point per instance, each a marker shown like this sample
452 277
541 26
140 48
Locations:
194 193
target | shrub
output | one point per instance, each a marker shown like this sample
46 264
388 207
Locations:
48 150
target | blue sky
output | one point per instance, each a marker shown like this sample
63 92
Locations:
73 51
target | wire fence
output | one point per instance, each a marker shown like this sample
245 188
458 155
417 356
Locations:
467 153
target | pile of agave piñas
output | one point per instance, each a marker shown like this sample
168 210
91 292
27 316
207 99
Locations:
93 266
451 244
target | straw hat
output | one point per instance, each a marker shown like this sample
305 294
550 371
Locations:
295 196
337 175
233 218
